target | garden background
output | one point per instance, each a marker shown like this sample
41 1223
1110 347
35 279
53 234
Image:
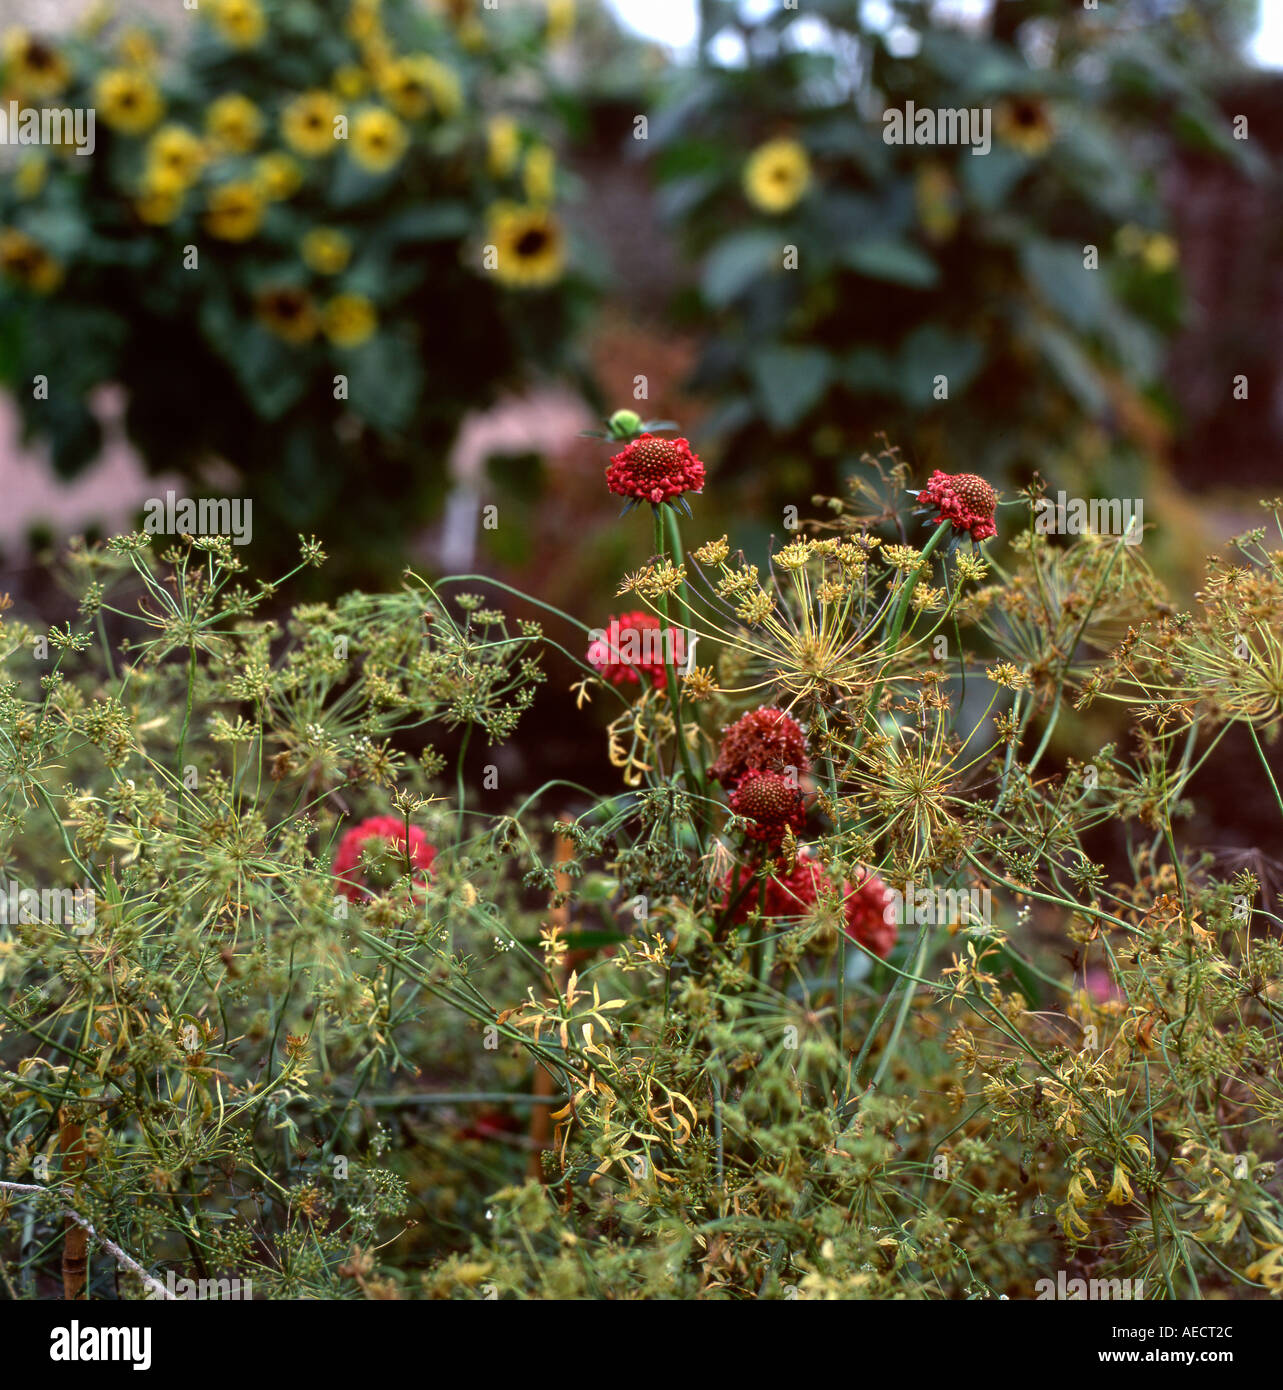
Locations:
916 261
545 211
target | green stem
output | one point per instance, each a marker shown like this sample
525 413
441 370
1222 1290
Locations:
900 611
187 717
674 689
1260 753
909 991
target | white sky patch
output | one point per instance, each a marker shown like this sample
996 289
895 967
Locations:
675 24
1267 46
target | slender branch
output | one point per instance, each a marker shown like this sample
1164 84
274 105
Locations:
125 1261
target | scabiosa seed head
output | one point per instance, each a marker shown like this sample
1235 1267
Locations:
964 499
632 647
771 803
766 738
348 877
655 470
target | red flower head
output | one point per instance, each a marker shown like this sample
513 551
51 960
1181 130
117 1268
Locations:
764 738
631 647
771 803
867 909
490 1123
870 916
391 830
787 894
964 499
651 469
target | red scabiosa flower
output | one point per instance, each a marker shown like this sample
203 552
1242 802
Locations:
771 803
766 738
348 875
655 470
491 1123
789 893
964 499
869 909
632 647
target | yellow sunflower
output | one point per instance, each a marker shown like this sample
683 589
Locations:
503 145
362 20
136 49
1156 250
472 35
234 211
462 14
289 314
175 157
1160 253
241 23
233 123
307 123
278 175
23 259
377 54
417 84
349 320
34 67
128 101
936 196
525 245
378 139
539 174
350 81
561 20
326 251
776 175
1025 124
158 206
30 175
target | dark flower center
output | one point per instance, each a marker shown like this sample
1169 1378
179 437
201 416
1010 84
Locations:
532 242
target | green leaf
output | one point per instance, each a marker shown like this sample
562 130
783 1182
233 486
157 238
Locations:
350 185
1080 296
989 178
60 230
1072 366
897 261
929 352
976 66
738 262
790 380
866 371
439 221
1138 347
273 375
1021 973
385 378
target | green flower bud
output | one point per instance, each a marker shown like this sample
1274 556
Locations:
623 424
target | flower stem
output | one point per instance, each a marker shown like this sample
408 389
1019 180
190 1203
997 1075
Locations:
901 610
674 689
1260 753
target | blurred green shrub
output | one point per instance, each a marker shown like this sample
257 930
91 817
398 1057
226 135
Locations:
306 245
854 282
